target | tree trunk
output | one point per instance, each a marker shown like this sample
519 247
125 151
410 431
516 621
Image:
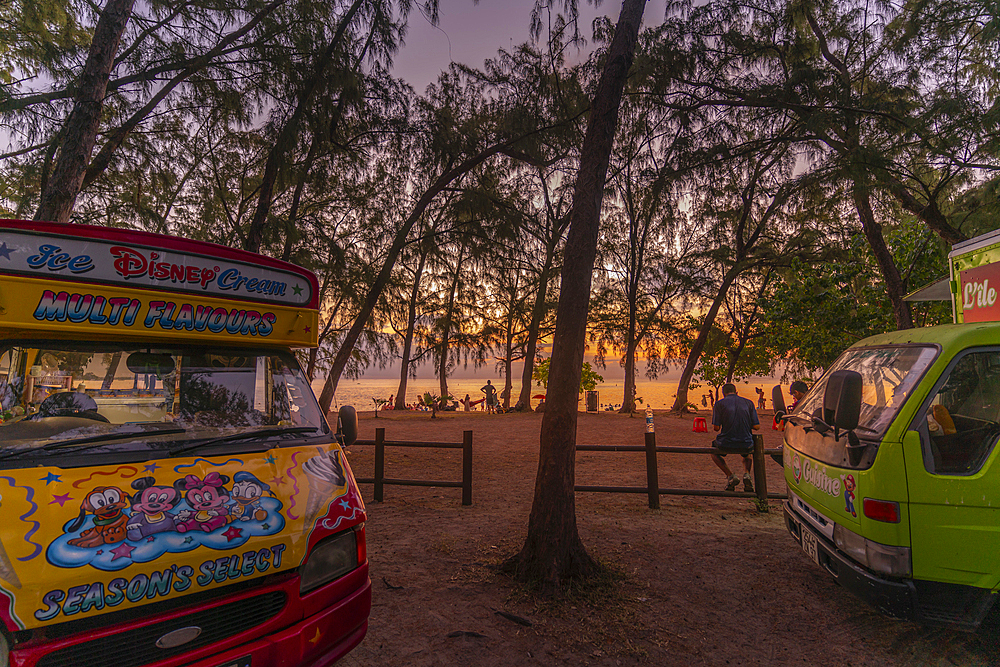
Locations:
537 312
930 213
553 552
109 376
448 319
411 318
628 401
895 287
508 361
289 132
311 365
113 140
681 400
80 133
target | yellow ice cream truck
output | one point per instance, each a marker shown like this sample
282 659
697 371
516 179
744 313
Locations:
170 491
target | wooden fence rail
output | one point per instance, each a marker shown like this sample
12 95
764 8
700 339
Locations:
380 480
652 488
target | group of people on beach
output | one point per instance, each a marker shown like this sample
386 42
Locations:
491 399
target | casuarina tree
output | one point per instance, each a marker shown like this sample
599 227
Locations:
553 552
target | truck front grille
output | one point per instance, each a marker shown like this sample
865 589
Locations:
134 648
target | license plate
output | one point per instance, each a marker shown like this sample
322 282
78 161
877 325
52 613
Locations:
239 662
809 544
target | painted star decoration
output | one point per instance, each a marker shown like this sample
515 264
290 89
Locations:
150 467
122 551
50 477
5 251
61 500
233 533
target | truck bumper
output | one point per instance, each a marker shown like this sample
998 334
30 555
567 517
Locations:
318 641
336 622
918 600
891 597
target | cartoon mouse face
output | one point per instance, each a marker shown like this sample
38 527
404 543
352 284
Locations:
105 501
155 499
205 494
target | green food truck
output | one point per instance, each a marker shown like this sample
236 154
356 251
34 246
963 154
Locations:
891 461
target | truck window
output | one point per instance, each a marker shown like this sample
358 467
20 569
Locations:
888 375
962 417
60 391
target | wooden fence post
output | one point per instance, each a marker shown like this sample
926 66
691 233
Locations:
467 468
759 474
379 462
652 477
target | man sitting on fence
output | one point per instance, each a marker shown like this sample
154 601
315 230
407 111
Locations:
736 418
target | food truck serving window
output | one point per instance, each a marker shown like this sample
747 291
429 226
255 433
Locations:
121 396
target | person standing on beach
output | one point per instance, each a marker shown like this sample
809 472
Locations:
491 396
735 418
467 402
760 399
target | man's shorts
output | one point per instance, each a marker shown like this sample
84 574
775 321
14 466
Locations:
722 451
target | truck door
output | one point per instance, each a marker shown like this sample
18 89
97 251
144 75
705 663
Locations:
954 477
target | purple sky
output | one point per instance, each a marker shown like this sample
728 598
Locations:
469 33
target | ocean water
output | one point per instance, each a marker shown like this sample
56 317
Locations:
659 394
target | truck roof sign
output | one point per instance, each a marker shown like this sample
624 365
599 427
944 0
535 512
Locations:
82 253
975 279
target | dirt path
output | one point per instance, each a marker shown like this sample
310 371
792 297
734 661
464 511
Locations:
708 581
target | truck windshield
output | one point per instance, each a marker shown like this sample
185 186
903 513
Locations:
888 376
57 396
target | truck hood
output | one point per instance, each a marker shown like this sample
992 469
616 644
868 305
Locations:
79 542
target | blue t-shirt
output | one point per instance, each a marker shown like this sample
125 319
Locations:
737 417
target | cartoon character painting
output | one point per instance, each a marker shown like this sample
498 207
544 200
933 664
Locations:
849 486
149 509
208 500
106 504
247 492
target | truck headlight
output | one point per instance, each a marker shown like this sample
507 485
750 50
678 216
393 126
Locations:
332 558
881 558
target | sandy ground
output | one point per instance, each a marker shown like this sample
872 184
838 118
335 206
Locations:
704 581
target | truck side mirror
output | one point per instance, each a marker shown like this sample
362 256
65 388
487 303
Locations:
347 425
842 400
778 399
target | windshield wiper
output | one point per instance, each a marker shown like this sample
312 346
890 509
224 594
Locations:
98 441
793 418
262 433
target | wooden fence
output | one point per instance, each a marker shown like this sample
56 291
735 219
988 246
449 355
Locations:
652 488
380 480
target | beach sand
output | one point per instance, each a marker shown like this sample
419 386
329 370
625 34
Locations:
707 581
